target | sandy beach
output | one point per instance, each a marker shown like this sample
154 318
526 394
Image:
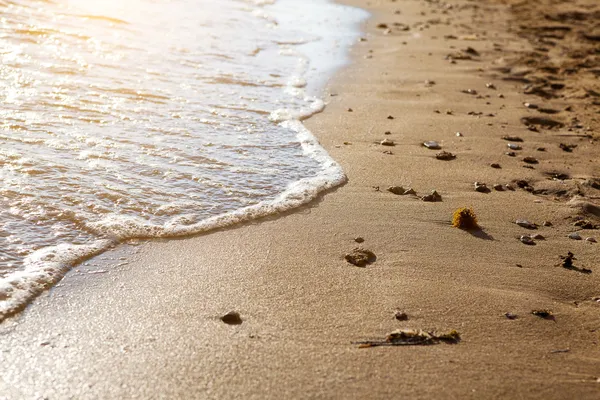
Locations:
143 320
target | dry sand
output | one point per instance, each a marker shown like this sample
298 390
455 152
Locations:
151 328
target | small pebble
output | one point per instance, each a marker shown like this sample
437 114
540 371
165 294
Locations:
495 165
232 318
591 240
401 316
575 236
538 236
511 153
511 315
433 197
530 160
387 142
359 240
490 86
432 145
530 105
350 110
547 223
513 146
509 187
525 224
481 187
445 156
526 240
390 117
498 187
458 134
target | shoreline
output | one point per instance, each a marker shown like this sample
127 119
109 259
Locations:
156 319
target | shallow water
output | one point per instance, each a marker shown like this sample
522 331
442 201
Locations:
147 118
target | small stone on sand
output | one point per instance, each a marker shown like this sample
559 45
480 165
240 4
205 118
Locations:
232 318
575 236
401 316
360 257
498 187
530 160
359 239
591 240
445 156
527 240
525 224
433 145
495 165
513 146
433 197
387 142
481 187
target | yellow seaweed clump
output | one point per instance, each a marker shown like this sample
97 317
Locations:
464 218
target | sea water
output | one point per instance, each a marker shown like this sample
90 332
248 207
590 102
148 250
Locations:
154 118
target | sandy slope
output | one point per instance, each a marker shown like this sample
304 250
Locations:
151 329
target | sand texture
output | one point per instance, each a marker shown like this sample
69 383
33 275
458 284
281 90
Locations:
314 325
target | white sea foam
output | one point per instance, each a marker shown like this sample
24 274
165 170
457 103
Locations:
165 193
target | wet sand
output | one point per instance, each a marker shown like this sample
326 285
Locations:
150 328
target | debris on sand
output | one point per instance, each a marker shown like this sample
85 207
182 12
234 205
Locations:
567 263
513 146
591 240
531 106
490 86
445 156
498 187
546 223
526 224
432 144
433 197
567 147
575 236
512 138
530 160
399 190
526 239
464 218
470 91
401 316
387 142
359 239
546 314
495 165
511 316
481 187
232 318
585 224
413 337
471 51
542 122
360 257
568 260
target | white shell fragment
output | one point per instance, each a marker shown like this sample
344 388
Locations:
432 145
513 146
